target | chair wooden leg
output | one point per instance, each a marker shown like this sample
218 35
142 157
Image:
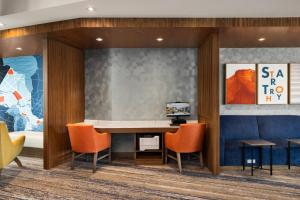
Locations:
18 162
73 160
109 155
0 171
201 159
166 155
95 162
179 162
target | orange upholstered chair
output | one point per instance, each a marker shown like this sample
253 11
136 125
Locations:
85 139
188 139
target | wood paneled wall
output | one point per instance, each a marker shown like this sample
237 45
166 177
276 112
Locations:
64 98
208 97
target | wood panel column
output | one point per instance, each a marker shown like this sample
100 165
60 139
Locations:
63 98
208 97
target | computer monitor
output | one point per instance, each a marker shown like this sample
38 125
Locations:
177 110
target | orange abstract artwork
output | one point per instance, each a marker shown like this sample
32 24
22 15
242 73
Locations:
10 72
1 99
240 84
17 95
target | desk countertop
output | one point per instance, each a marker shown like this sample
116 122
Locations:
134 126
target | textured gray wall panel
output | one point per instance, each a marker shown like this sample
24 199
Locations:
98 67
257 55
135 84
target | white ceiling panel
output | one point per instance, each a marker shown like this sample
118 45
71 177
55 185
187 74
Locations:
32 12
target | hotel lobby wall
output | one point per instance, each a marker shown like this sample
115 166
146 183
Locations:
136 83
256 55
63 98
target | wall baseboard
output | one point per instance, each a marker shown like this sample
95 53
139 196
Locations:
122 155
32 152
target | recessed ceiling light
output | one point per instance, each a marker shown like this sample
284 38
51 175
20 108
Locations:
1 24
261 39
91 9
19 48
99 39
159 39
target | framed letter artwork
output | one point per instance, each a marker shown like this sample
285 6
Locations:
272 83
294 83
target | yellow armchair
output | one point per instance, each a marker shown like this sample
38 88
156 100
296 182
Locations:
9 150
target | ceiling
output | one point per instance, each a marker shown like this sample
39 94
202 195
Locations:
233 37
31 45
8 7
16 13
85 38
248 37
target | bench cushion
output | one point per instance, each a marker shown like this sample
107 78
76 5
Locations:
32 139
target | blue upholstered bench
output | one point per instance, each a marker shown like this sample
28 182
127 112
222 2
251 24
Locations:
275 128
233 129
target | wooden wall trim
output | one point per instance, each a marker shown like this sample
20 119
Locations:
149 22
64 98
208 99
45 80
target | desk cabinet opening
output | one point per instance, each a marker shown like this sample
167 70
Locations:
149 148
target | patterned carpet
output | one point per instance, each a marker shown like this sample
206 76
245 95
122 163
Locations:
122 180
